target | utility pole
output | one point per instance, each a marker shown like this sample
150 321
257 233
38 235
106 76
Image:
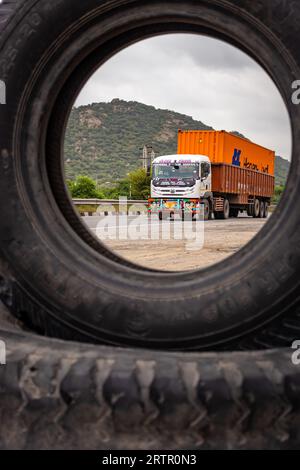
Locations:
147 158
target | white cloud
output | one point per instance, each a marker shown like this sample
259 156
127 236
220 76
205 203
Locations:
199 76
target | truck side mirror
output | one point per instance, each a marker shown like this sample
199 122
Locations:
205 170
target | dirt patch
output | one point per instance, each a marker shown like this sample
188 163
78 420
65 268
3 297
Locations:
221 239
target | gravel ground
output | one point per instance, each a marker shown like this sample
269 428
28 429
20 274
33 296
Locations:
222 238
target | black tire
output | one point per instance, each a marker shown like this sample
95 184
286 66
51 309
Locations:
250 210
256 208
266 210
206 209
74 396
261 209
234 212
7 8
225 214
50 252
160 216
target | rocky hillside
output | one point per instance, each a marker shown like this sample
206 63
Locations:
104 140
282 167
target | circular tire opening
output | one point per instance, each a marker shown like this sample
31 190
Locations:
137 107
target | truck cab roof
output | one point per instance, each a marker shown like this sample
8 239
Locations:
188 159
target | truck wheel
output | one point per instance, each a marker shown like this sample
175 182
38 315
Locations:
48 50
250 210
226 210
206 210
266 210
256 208
234 212
261 209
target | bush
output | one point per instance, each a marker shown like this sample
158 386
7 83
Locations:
278 193
84 187
135 186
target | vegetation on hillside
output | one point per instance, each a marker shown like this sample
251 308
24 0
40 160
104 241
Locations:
282 168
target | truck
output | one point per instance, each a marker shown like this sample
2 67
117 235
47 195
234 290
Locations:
214 173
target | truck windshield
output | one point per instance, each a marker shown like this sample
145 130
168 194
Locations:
176 171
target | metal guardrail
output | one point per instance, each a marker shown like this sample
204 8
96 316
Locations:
109 206
101 202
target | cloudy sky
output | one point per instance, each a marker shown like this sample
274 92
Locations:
202 77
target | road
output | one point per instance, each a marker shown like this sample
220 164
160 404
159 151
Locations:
176 246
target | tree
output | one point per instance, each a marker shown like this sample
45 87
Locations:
135 186
139 184
122 189
277 194
84 187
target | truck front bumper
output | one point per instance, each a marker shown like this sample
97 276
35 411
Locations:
192 206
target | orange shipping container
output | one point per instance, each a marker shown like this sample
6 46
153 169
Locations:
222 147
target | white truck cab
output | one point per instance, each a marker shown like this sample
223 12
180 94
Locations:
180 183
183 176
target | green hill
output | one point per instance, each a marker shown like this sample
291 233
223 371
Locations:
282 167
104 140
